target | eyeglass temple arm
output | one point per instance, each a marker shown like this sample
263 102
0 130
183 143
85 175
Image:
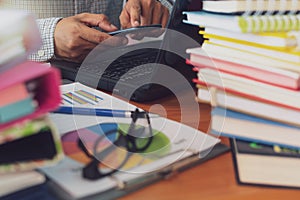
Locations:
139 114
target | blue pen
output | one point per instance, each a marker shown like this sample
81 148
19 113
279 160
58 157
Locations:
96 112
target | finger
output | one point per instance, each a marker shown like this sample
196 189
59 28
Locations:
125 19
98 20
92 35
147 12
157 14
165 17
135 12
106 25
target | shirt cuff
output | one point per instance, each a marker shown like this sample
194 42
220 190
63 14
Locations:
46 27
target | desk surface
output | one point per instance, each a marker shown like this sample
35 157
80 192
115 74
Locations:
213 179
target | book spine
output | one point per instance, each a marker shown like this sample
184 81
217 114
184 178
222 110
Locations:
245 56
216 98
17 110
34 127
260 75
246 95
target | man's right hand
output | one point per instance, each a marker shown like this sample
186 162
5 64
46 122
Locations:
74 38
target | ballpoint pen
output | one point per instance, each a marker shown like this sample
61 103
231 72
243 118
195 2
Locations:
98 112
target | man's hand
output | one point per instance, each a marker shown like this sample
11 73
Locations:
143 12
74 38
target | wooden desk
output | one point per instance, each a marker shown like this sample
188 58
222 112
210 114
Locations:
213 179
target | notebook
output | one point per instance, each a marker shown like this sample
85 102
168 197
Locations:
265 165
241 6
246 23
142 81
13 182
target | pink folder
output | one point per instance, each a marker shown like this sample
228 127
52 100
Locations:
46 80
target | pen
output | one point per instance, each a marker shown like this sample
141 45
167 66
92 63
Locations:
97 112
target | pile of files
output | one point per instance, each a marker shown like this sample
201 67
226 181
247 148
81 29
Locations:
249 71
28 91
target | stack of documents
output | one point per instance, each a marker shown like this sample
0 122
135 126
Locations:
175 146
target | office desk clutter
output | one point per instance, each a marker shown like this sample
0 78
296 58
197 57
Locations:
248 70
110 156
28 139
28 91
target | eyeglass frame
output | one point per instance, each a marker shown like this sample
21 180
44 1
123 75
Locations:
91 171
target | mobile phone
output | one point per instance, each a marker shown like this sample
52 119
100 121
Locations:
129 30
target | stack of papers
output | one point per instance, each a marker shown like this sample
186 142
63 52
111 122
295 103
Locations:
184 145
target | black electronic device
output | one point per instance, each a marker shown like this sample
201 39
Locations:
141 71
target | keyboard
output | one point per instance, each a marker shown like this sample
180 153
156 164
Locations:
127 75
125 69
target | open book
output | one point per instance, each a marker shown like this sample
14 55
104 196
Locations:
179 146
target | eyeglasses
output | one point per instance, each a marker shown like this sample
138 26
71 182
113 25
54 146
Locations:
112 149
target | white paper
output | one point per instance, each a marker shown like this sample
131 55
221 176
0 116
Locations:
184 142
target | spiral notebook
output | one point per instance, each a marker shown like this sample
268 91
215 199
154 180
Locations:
251 23
241 6
248 16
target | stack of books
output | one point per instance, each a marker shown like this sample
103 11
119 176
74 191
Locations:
248 70
28 91
19 37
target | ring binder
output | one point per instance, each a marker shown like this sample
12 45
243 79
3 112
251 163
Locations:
47 94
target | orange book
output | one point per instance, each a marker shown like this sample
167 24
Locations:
13 94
